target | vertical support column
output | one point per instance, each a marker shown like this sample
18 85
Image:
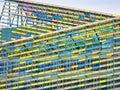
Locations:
113 53
9 14
21 13
2 10
18 16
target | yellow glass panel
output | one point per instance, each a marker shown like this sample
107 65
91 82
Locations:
3 89
40 78
22 81
102 81
22 62
42 63
47 87
81 85
41 72
117 47
40 82
87 18
13 38
34 17
82 58
82 69
97 61
102 40
88 68
0 49
108 54
29 65
47 81
98 16
33 84
87 10
16 68
65 18
20 86
2 84
114 14
35 69
75 66
74 51
55 9
28 70
15 87
102 86
35 74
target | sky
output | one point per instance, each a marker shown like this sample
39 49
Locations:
107 6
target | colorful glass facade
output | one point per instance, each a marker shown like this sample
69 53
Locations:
46 47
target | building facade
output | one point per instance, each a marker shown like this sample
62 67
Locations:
47 47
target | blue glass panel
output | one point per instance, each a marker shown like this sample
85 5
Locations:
109 29
82 54
42 14
5 56
14 59
110 38
57 17
67 68
96 66
34 12
87 14
81 17
21 71
117 43
28 34
72 33
36 36
89 63
18 36
44 22
42 49
59 28
2 75
88 58
45 19
92 19
102 55
30 42
26 7
74 61
81 65
55 60
0 43
64 53
49 52
104 89
28 61
104 45
106 30
54 75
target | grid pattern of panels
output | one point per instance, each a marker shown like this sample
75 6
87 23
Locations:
10 34
45 17
85 57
